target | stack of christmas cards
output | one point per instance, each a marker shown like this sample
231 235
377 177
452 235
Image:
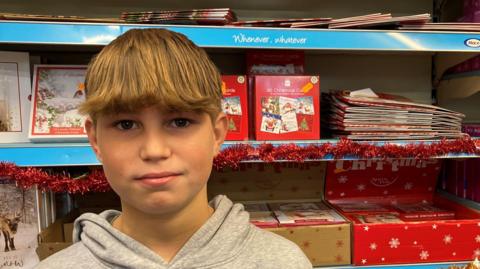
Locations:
366 115
58 90
305 213
210 16
234 105
260 215
14 96
287 107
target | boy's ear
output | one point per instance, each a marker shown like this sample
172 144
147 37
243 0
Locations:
92 137
220 131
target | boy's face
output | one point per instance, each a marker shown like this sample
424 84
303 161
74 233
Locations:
157 162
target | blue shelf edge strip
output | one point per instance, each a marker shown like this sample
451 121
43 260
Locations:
76 154
18 32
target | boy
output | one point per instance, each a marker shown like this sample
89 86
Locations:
155 123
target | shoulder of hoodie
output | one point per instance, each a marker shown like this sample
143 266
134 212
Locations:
74 256
274 251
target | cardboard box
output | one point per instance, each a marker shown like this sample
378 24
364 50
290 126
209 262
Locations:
57 91
324 245
235 106
390 241
68 232
287 108
52 239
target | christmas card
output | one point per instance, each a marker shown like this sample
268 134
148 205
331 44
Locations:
300 214
14 96
19 224
58 90
287 107
234 105
260 215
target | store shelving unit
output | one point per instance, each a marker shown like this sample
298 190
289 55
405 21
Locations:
36 34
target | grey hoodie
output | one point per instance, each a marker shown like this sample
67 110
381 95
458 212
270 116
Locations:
226 240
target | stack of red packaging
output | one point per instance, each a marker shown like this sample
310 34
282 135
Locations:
397 217
234 105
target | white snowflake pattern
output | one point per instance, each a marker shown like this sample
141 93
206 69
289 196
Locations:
454 253
366 228
434 226
476 253
447 239
408 186
364 261
330 192
383 259
424 255
342 194
477 238
458 225
406 227
478 224
361 187
373 246
343 179
385 192
415 242
394 202
394 243
425 201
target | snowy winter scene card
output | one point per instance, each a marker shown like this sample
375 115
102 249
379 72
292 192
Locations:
58 91
19 226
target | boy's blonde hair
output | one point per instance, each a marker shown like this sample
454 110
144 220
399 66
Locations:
151 67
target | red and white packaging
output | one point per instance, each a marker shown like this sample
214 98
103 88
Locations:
381 238
57 91
287 108
260 215
305 214
234 105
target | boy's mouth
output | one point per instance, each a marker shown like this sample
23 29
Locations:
157 179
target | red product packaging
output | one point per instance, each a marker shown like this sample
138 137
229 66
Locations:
234 104
408 187
287 107
275 62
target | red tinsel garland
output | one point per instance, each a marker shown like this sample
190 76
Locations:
232 157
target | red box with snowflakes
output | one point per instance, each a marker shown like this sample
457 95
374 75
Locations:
287 108
234 105
371 193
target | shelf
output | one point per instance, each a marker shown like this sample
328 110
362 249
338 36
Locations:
17 32
76 154
403 266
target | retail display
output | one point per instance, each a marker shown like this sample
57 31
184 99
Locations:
234 105
14 96
57 92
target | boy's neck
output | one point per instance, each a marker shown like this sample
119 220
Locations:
165 234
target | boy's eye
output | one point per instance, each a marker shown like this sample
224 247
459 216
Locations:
125 124
180 123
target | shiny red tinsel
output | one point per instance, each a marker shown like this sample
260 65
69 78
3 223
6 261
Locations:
95 181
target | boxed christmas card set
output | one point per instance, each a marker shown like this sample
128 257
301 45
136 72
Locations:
234 105
397 217
287 107
14 94
57 92
286 199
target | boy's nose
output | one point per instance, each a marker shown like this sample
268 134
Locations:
154 147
